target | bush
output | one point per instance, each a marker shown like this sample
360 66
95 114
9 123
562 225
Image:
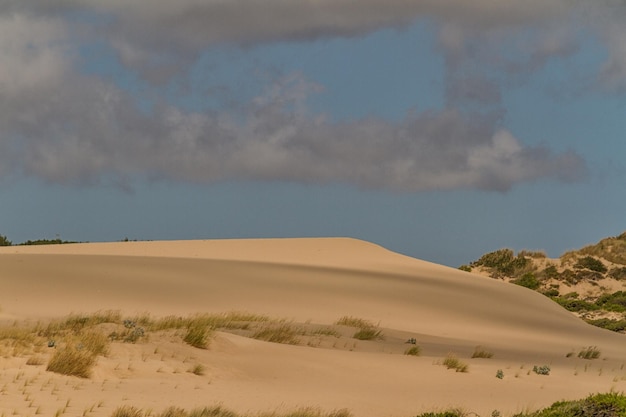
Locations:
541 370
4 241
598 405
609 324
500 374
618 273
527 280
591 263
284 333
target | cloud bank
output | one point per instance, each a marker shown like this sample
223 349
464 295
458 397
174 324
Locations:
63 126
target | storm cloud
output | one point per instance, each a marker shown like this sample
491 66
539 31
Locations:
61 125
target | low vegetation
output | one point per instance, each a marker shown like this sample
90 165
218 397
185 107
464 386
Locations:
591 264
219 411
597 405
590 352
453 362
413 351
481 352
367 330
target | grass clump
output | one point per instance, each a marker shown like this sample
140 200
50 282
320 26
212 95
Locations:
354 322
481 352
453 362
284 333
590 352
197 335
597 405
413 351
198 369
127 411
73 361
370 333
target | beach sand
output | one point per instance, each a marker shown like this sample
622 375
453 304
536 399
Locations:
307 283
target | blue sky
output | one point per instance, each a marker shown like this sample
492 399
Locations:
438 129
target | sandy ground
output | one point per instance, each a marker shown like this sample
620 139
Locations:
306 281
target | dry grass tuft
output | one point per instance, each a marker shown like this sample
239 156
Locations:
284 333
452 362
481 352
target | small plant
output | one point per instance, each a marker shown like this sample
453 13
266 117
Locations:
284 333
590 352
500 374
480 352
369 333
413 351
197 335
72 361
35 360
452 362
354 322
541 370
127 411
198 369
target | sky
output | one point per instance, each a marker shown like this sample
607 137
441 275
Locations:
440 129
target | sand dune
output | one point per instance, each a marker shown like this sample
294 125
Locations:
304 281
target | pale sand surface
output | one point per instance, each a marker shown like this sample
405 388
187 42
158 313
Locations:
303 280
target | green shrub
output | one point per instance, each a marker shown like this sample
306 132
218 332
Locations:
527 280
465 268
609 324
541 370
618 273
500 374
591 263
597 405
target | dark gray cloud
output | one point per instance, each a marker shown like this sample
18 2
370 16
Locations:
65 127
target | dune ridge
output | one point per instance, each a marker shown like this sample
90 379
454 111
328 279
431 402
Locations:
310 281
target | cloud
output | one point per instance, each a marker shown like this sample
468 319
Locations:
66 127
100 133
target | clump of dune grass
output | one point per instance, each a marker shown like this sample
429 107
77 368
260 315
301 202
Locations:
73 361
198 369
197 335
413 351
218 411
541 370
127 411
481 352
355 322
590 352
453 362
326 331
369 333
283 333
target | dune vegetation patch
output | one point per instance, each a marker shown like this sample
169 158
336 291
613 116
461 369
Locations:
453 362
481 352
590 352
367 330
219 411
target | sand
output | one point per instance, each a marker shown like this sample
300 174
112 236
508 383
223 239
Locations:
306 282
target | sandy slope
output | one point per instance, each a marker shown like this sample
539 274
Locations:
305 280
